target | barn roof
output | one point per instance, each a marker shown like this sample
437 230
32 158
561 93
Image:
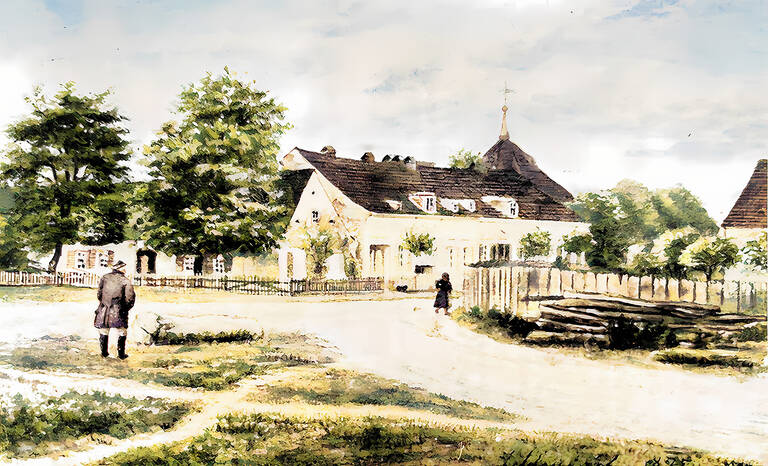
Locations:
749 211
371 184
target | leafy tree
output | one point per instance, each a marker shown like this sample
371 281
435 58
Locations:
466 159
419 244
710 255
611 231
673 250
65 165
678 208
536 243
630 214
646 263
319 246
577 243
214 185
13 255
756 253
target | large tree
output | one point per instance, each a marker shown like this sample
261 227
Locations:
65 165
215 186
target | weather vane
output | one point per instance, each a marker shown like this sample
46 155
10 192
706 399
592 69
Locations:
506 92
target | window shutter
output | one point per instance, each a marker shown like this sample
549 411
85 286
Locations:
91 261
71 258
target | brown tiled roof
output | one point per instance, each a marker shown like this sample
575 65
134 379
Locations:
749 211
506 155
371 184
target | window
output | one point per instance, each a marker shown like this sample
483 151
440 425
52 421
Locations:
81 258
514 209
467 255
189 263
429 204
103 259
315 216
218 264
451 252
424 201
401 255
481 253
500 252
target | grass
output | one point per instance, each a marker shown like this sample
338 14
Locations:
33 430
337 387
750 345
704 358
209 366
265 439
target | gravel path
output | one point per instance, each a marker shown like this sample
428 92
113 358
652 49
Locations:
556 392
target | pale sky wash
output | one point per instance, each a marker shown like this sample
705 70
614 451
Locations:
664 92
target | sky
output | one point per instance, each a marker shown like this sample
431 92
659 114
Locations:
664 92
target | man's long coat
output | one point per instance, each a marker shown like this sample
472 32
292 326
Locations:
116 298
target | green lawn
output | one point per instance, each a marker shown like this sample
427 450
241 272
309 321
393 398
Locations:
264 439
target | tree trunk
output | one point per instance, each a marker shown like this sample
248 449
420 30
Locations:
55 259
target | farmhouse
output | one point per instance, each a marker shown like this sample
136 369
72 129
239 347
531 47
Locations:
362 209
748 217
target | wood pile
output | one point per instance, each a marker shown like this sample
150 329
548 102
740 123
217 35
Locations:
577 321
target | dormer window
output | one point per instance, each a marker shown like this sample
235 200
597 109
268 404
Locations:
394 205
424 201
506 205
468 205
514 209
450 204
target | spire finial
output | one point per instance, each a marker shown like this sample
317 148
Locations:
504 133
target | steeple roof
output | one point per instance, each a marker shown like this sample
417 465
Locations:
749 211
506 155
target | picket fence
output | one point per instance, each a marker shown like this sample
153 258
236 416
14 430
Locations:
248 285
518 289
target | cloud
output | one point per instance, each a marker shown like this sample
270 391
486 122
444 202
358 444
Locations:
604 90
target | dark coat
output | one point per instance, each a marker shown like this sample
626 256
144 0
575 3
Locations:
116 298
443 289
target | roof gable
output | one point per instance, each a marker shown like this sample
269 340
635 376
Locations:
372 184
749 211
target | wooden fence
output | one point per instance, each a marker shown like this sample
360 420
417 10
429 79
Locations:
247 285
517 289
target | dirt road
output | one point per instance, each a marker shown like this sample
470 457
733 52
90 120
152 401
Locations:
557 392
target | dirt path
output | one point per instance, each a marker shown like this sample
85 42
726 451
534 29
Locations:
557 392
215 404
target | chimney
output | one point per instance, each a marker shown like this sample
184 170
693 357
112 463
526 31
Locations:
368 157
329 151
410 162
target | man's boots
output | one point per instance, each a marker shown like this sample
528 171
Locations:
103 342
121 347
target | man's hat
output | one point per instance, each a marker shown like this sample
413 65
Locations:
119 265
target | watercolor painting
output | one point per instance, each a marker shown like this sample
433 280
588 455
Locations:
518 232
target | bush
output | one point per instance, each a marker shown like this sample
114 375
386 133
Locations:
236 336
514 326
475 312
753 333
623 334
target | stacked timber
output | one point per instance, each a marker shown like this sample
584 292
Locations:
577 320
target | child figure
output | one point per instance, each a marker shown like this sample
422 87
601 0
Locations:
443 290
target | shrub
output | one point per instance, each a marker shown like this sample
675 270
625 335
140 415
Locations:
514 326
475 312
623 334
753 333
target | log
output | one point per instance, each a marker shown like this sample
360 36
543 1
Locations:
546 324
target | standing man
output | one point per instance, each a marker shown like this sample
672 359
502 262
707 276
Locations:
116 298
